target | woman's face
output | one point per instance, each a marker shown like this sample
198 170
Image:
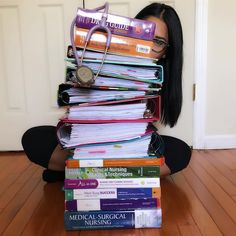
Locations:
161 36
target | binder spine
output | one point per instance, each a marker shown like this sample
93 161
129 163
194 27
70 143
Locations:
119 25
112 219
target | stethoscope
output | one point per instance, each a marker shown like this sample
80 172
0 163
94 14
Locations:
84 74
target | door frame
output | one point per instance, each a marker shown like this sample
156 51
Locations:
200 74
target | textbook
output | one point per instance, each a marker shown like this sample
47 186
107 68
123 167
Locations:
120 45
111 204
112 183
71 163
82 220
112 172
117 193
113 193
119 25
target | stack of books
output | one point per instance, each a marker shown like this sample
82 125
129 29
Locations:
112 175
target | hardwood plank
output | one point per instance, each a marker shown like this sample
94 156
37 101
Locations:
228 160
178 207
16 165
49 212
218 214
21 219
11 210
219 194
109 232
219 178
200 215
229 174
14 187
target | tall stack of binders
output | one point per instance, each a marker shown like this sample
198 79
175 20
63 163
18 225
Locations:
112 175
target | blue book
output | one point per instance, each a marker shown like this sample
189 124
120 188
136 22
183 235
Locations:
112 219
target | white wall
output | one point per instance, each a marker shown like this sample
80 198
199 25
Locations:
220 129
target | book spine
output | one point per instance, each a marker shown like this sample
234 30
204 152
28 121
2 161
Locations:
112 193
111 183
113 219
111 204
71 163
118 25
119 45
112 172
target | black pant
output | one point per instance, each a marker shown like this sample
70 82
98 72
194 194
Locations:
39 143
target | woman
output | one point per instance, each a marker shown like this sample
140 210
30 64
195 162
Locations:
40 143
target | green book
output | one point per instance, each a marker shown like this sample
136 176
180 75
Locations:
112 172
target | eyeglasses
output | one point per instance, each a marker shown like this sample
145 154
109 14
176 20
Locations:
160 45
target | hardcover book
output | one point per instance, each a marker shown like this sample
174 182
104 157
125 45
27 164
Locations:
83 220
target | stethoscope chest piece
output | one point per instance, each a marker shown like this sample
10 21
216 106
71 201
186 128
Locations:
84 75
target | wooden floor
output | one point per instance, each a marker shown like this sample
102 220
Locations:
201 200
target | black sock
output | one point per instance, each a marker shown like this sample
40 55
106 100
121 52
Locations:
51 176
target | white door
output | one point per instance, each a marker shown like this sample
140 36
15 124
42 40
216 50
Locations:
33 40
186 12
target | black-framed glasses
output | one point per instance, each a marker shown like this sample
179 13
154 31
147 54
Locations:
160 44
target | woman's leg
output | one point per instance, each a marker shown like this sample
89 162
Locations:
41 147
177 155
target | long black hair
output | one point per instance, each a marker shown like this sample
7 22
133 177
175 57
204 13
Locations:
171 93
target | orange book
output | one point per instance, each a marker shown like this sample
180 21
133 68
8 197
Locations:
120 45
72 163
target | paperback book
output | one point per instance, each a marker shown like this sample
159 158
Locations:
112 193
112 172
119 25
119 44
111 204
112 183
82 220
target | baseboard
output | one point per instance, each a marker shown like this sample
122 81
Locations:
219 142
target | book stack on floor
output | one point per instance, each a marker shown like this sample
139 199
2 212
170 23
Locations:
112 175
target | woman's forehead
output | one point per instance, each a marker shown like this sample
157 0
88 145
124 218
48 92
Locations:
161 29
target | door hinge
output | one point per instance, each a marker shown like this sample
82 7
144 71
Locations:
194 92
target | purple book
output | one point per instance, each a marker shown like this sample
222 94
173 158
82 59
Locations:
111 204
119 25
